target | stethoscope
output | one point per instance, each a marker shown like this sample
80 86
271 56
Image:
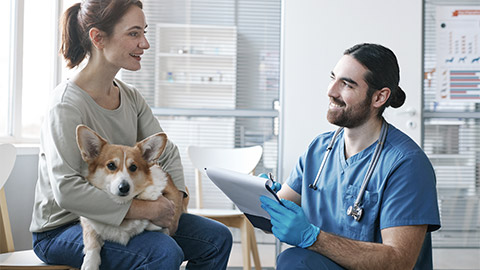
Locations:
355 210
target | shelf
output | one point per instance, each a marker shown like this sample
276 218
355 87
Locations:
214 112
206 83
193 55
198 60
453 114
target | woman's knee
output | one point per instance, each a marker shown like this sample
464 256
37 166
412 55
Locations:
224 234
157 249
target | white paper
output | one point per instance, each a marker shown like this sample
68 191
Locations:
243 189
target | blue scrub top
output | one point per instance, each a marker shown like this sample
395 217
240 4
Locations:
401 191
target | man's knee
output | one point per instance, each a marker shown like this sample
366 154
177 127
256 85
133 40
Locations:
298 258
288 259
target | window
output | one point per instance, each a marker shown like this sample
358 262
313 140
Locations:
27 71
452 127
39 54
212 77
5 20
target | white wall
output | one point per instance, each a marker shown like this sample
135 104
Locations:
316 34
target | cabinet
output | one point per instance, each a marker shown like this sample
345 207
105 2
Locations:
195 66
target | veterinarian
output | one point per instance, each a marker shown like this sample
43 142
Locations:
334 222
111 35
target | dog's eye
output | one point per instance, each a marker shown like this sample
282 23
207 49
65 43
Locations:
132 167
111 166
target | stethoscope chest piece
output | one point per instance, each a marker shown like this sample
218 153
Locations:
355 211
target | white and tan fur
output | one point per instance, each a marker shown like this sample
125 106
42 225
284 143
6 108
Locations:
124 173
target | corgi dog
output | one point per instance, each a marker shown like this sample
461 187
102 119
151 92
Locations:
124 173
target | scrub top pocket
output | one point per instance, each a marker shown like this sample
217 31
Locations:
363 230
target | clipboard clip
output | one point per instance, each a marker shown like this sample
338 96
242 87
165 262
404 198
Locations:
268 185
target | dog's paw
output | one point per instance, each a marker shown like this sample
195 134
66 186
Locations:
153 227
89 267
91 261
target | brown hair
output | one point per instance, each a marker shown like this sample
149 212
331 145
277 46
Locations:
383 71
77 21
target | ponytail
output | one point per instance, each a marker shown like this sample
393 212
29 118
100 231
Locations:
72 47
81 17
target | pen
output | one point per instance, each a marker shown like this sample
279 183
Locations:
270 177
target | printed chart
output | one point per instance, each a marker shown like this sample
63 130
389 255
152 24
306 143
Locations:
464 84
458 53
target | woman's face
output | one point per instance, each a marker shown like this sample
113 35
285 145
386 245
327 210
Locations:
127 43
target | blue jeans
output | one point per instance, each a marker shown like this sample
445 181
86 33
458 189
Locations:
204 243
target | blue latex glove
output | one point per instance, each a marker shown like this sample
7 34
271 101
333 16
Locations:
289 223
276 185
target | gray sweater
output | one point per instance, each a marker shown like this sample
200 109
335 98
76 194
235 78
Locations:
62 194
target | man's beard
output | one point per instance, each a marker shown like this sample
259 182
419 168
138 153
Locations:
350 117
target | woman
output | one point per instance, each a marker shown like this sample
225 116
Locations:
111 34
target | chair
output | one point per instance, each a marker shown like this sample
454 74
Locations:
242 160
9 258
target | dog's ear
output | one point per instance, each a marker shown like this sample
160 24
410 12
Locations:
153 146
89 142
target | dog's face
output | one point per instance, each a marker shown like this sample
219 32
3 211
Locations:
121 171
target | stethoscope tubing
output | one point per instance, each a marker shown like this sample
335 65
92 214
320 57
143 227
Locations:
329 148
373 164
376 155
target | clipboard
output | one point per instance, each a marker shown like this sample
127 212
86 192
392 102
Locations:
245 190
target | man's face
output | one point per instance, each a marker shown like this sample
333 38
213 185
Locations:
349 105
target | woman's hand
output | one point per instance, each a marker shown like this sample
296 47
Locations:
160 212
163 212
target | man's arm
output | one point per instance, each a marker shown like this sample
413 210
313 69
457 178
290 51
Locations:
399 250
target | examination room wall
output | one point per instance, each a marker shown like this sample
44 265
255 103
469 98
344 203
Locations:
316 34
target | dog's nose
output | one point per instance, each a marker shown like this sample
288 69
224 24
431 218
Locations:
123 188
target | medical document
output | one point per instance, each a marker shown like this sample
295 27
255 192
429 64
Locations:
245 191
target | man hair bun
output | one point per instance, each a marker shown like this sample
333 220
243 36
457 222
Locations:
397 98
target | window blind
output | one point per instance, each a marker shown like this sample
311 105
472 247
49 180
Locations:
212 78
451 140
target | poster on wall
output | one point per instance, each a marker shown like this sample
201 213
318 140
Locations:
458 53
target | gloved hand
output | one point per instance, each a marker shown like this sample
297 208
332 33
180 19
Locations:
276 185
289 223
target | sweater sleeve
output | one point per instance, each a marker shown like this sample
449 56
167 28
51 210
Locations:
65 167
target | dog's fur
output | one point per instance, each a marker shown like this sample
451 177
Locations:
123 173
